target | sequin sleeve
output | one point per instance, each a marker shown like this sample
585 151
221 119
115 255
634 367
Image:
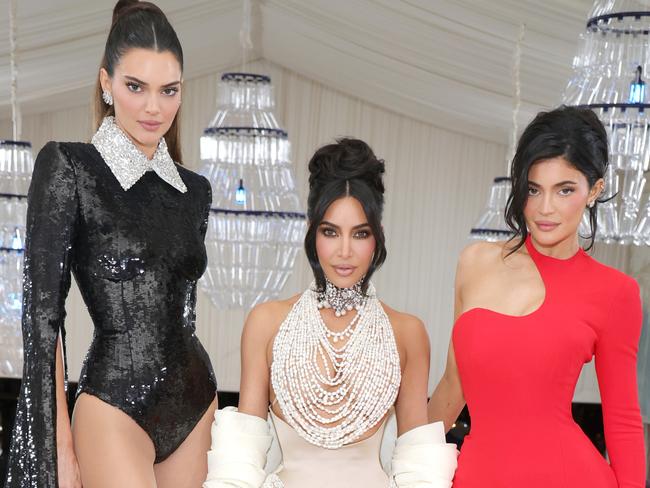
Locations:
51 221
206 208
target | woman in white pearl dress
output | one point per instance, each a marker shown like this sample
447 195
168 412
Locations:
329 364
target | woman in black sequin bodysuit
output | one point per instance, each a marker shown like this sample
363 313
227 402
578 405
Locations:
130 224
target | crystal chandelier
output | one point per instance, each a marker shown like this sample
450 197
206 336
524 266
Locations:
256 225
16 167
613 57
491 225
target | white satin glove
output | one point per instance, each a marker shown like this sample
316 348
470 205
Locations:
238 452
423 459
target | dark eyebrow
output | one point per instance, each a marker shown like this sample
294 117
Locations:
566 182
561 183
144 83
325 222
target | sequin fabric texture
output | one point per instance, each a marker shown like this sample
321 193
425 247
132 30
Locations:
136 256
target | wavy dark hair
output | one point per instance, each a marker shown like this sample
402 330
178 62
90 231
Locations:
347 168
577 135
139 25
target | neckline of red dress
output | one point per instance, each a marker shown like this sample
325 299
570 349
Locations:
536 253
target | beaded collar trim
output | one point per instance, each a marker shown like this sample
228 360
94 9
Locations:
128 163
341 300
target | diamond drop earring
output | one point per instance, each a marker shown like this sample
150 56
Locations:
108 98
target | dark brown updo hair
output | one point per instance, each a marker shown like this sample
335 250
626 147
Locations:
346 168
139 25
575 134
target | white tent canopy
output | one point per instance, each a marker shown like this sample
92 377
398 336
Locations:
444 62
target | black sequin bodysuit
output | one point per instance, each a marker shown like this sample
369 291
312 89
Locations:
136 255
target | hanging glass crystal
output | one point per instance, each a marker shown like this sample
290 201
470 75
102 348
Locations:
491 226
16 165
608 77
256 225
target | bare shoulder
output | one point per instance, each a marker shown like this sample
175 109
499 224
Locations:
409 330
481 253
479 257
264 320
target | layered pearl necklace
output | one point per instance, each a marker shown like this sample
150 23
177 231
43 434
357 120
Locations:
332 394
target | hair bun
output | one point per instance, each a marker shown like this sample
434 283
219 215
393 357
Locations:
346 160
122 6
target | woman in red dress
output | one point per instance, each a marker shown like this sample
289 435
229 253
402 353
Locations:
529 313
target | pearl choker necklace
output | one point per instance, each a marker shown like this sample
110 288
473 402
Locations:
342 300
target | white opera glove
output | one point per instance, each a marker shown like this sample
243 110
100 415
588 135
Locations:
238 452
423 459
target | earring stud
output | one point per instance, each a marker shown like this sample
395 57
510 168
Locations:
108 98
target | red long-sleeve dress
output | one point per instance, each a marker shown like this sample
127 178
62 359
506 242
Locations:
519 374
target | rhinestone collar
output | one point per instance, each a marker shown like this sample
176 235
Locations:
128 163
343 300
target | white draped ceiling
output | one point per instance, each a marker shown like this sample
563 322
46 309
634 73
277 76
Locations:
445 62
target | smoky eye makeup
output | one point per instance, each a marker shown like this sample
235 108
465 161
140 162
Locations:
170 91
327 231
363 233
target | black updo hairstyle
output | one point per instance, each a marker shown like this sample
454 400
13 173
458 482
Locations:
575 134
346 168
139 25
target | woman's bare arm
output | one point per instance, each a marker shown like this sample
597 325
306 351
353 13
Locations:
410 407
448 400
259 329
